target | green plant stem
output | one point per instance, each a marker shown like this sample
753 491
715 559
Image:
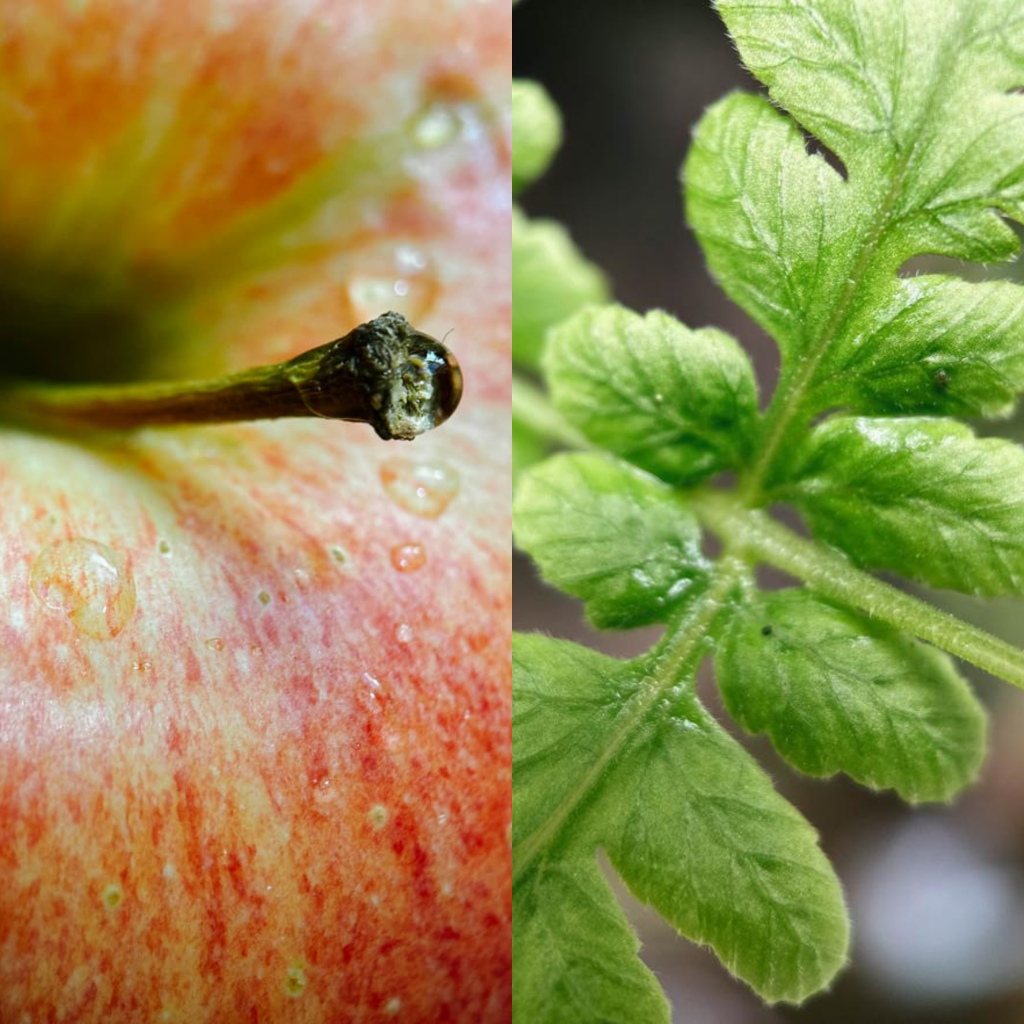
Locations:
831 575
684 650
531 407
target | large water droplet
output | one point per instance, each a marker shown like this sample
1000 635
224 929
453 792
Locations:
425 489
88 582
408 557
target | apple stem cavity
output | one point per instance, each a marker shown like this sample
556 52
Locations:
384 372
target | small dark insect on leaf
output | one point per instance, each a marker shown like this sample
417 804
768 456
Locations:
941 380
766 631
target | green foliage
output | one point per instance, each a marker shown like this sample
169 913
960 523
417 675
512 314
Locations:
550 280
609 534
915 103
679 403
837 692
690 822
924 497
536 131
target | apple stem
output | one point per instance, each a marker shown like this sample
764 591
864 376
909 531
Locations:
384 372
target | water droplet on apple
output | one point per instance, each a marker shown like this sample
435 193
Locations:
408 557
437 127
377 816
403 634
371 296
392 1007
295 979
423 488
371 681
90 583
215 643
112 896
409 259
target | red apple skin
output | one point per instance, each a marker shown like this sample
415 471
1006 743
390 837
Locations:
250 771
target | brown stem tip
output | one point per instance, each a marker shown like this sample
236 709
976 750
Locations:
384 372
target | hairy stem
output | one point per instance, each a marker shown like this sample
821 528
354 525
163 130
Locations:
831 575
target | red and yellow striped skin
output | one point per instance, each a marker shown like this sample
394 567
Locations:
276 787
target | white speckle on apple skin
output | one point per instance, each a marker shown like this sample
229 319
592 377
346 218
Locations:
378 816
403 633
392 1007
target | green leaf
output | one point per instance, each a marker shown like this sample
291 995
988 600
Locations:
611 535
527 447
679 403
915 98
617 755
536 131
550 280
774 222
575 955
923 497
932 345
836 691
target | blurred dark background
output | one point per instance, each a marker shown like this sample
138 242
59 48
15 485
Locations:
936 893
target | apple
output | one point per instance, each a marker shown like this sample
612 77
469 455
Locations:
254 747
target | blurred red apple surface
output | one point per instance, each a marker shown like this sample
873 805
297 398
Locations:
253 678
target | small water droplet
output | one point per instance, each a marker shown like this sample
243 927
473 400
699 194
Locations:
263 597
215 643
409 259
408 557
424 488
89 583
435 128
112 896
295 979
371 295
403 634
142 666
371 681
377 816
